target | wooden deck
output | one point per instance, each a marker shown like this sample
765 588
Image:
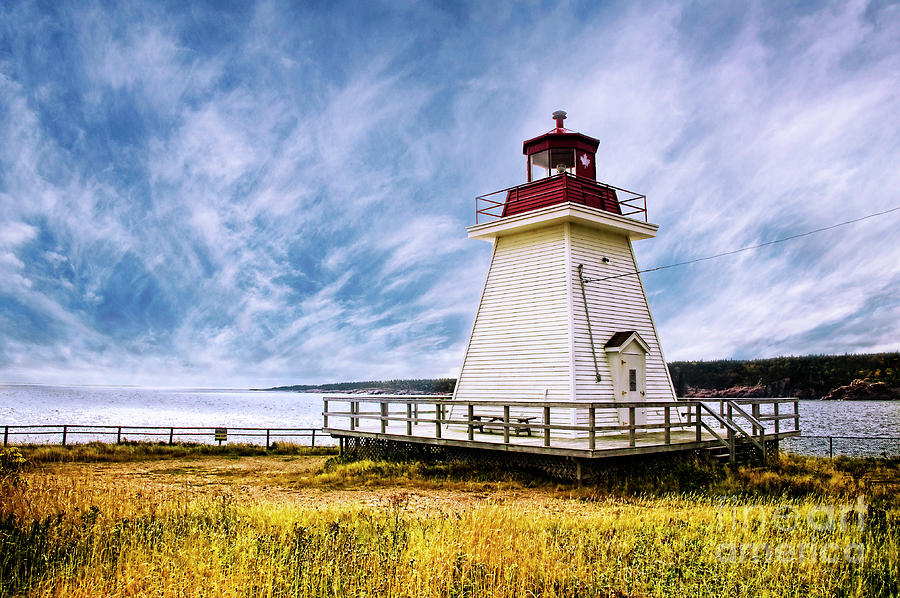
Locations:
580 429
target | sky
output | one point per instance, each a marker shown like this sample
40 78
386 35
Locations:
251 194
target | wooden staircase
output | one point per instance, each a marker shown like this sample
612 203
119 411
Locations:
732 436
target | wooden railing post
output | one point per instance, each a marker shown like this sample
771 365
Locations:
409 419
592 428
119 435
777 420
171 434
506 424
631 438
437 420
546 426
5 435
796 416
699 431
667 421
65 429
312 442
384 413
470 416
268 444
352 415
325 414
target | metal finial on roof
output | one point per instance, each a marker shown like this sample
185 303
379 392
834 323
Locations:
560 116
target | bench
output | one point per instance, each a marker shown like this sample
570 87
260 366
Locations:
494 422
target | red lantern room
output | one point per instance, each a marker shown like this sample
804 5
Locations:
560 150
560 169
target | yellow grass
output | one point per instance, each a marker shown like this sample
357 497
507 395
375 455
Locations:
289 526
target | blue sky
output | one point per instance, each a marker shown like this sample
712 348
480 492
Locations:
247 194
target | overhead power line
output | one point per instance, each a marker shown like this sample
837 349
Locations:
742 249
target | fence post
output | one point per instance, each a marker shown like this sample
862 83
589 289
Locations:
171 434
312 443
268 444
831 447
470 415
65 429
384 413
119 435
796 416
325 415
5 435
352 415
409 418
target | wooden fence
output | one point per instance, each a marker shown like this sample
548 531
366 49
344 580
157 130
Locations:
66 432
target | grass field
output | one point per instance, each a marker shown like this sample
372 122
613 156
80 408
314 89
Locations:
152 520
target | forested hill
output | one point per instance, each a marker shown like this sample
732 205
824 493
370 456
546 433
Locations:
808 377
415 386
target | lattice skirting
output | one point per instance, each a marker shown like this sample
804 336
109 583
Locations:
564 468
377 448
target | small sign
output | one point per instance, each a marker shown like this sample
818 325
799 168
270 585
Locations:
221 435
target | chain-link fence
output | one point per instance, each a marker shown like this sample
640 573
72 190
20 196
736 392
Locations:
850 446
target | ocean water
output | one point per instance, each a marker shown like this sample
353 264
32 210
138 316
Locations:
186 407
132 406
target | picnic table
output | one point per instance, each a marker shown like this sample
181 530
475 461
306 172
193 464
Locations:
495 422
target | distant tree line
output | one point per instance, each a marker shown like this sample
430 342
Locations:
807 377
418 385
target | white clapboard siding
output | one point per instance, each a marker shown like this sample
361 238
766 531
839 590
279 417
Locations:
520 341
530 335
614 305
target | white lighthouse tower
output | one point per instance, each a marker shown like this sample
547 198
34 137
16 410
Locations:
563 314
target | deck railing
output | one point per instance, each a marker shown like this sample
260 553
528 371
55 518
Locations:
490 205
561 424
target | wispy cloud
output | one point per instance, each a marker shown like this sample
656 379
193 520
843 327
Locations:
273 193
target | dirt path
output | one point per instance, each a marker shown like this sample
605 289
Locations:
292 480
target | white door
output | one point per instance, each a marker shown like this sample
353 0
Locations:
632 386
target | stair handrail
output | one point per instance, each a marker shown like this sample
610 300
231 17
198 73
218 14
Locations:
733 426
753 421
712 431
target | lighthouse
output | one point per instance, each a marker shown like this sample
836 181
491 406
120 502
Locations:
563 314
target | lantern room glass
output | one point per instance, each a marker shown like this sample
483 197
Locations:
551 162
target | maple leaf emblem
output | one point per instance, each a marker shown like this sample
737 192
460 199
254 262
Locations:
585 161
